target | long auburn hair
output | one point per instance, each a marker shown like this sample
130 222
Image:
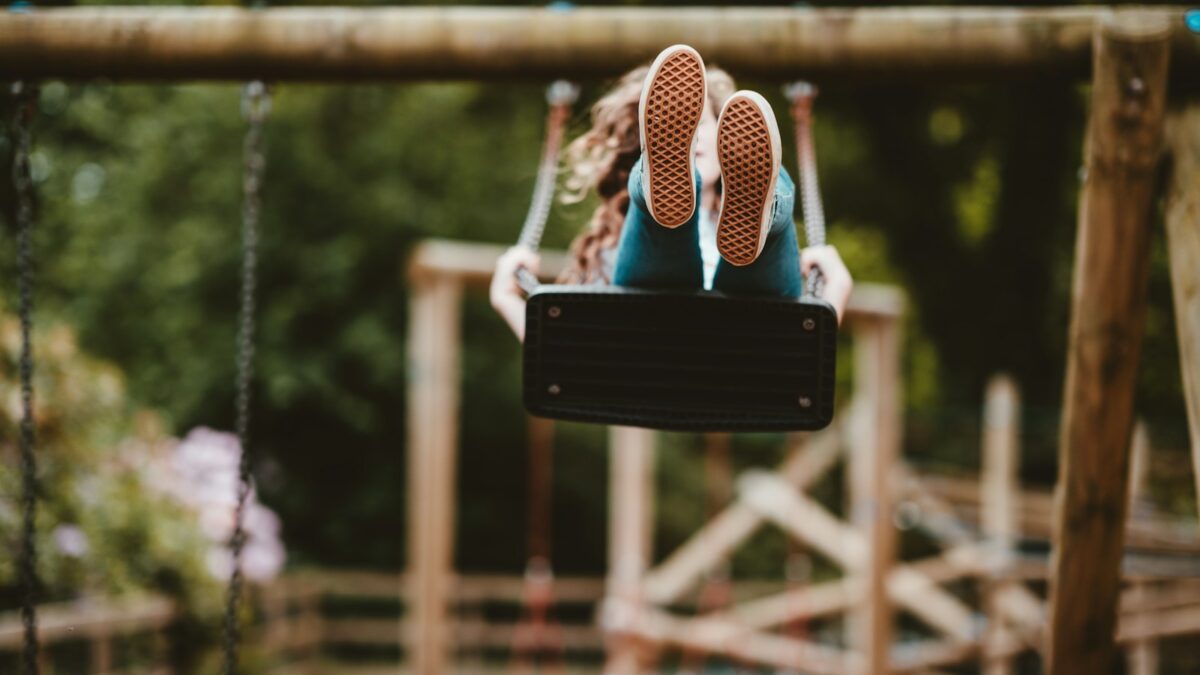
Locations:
602 159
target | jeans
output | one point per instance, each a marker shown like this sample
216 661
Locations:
655 257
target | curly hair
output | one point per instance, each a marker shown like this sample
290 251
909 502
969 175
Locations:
602 159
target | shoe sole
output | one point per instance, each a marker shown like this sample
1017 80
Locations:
670 109
748 149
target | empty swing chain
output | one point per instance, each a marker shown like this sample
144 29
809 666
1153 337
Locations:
802 95
256 104
22 136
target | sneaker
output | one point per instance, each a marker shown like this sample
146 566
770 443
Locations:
669 113
748 149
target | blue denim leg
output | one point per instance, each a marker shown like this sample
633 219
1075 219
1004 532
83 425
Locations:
652 256
777 270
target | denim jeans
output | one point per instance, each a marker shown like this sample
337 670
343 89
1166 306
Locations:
655 257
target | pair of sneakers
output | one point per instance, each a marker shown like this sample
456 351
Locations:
748 150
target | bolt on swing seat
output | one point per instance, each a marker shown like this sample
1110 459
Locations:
689 361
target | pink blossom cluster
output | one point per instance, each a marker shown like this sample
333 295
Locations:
202 475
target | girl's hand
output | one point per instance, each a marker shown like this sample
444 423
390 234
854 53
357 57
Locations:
505 293
838 282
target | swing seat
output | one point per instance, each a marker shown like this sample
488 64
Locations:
687 361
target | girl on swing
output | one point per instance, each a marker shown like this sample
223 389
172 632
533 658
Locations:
690 198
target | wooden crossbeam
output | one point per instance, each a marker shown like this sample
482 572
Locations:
834 597
713 543
809 522
342 43
721 636
1016 603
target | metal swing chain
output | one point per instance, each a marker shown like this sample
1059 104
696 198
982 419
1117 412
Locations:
561 96
26 106
802 95
256 105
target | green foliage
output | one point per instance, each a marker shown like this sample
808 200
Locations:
102 528
963 196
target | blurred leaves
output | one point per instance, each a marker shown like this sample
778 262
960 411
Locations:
101 526
964 196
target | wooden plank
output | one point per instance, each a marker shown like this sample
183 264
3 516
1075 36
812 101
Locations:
716 540
433 384
474 634
807 602
477 588
1147 530
335 43
810 523
344 583
1159 625
717 635
496 636
1183 238
631 513
90 620
1001 457
1112 257
472 263
833 597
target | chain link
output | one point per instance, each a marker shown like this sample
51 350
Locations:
802 95
561 96
26 96
256 105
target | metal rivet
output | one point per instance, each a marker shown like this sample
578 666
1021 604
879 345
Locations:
554 389
805 402
809 324
555 311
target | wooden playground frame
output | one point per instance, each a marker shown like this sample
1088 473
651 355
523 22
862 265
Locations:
1131 53
636 613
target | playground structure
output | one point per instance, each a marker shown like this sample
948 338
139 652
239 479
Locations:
978 526
1131 51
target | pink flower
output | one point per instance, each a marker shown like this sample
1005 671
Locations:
202 474
70 541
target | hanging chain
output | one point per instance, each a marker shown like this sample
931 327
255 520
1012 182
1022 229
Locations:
26 106
561 96
256 104
802 95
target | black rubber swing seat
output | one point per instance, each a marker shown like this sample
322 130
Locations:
690 361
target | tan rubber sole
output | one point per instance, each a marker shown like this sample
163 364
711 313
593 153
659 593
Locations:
748 150
671 107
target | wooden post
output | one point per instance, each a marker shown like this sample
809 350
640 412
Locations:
1001 459
861 437
1142 654
433 374
1139 470
1183 237
888 430
101 653
1122 150
875 443
631 518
